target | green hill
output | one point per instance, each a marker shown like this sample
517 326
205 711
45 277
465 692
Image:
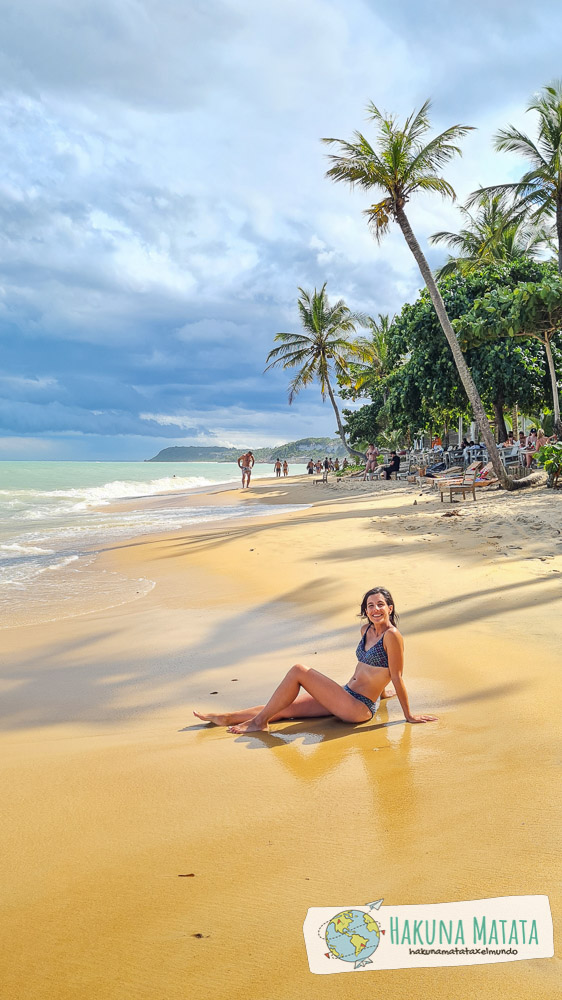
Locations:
295 451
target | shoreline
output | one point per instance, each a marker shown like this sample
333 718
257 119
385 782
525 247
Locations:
116 790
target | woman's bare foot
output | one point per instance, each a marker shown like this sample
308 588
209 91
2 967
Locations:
217 720
252 726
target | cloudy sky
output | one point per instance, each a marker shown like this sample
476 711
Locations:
162 195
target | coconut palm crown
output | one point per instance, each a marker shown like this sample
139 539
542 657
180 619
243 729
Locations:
322 350
500 230
404 162
373 351
401 164
540 189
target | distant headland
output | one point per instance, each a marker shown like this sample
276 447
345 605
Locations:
295 451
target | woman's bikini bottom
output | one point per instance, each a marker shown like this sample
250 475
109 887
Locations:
371 705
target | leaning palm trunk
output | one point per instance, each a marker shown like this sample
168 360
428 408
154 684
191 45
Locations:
462 367
554 383
341 431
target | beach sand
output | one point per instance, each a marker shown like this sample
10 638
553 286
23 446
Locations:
113 791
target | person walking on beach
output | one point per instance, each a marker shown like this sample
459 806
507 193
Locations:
277 468
246 463
285 468
306 693
310 468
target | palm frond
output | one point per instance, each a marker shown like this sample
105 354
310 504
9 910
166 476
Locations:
438 151
511 140
437 184
303 378
417 123
494 189
379 216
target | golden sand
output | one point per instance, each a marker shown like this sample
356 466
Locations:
112 790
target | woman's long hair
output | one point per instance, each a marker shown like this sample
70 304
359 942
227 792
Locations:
388 598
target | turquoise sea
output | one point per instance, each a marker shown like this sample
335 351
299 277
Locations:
55 517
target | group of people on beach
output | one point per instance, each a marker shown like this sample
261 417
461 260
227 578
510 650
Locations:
527 444
280 466
306 693
328 465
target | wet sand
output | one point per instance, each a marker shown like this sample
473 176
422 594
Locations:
115 791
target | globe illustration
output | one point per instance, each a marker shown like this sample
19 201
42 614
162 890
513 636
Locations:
353 936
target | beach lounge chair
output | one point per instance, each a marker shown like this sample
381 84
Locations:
455 472
482 484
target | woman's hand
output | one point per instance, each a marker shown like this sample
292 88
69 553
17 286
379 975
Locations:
421 718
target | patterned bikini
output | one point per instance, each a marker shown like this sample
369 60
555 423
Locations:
375 656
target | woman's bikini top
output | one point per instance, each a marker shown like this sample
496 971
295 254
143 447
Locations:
375 655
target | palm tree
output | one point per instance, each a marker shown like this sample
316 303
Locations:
400 166
373 351
540 189
322 349
499 231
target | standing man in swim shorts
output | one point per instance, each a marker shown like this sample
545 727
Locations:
246 462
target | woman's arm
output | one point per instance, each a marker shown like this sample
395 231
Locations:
394 646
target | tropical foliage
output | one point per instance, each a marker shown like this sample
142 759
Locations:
500 230
405 161
539 191
422 389
321 351
550 457
531 309
496 300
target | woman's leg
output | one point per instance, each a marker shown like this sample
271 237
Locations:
229 718
303 707
325 691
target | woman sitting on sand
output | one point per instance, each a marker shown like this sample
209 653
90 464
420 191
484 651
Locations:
380 659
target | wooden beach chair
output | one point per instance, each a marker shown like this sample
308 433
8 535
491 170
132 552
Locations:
455 472
464 487
324 478
453 475
481 480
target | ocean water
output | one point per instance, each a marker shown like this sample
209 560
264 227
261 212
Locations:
55 518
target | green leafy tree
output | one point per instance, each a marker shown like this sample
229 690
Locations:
424 391
402 163
531 309
540 189
321 351
500 230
